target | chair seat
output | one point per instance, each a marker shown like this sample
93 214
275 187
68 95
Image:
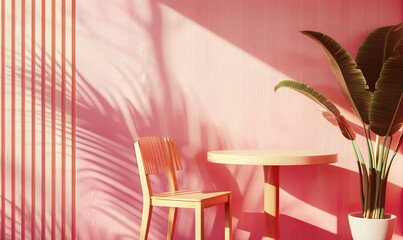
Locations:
189 198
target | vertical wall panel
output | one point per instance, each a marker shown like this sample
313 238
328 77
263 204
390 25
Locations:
63 109
13 120
43 119
37 119
33 121
3 122
23 152
73 118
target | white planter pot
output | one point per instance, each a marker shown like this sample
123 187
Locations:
371 229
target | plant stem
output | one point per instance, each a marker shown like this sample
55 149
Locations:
371 178
381 156
363 177
378 175
385 161
380 179
375 197
376 154
369 146
374 187
371 191
384 180
363 202
362 191
390 164
370 140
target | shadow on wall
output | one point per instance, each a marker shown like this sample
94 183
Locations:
28 214
108 183
108 180
109 192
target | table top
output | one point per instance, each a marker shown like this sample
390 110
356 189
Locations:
271 157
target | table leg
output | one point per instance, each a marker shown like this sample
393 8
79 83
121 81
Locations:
271 202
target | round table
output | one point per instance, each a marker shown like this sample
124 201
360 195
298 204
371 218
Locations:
271 160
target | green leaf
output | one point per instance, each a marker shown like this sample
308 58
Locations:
320 99
386 111
350 79
345 128
375 50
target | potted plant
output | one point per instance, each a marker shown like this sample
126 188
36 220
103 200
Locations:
373 86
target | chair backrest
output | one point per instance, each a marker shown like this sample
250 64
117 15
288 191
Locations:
157 155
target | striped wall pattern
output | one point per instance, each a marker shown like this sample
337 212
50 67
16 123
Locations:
37 119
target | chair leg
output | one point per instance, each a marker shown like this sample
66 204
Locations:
199 221
145 220
171 222
228 219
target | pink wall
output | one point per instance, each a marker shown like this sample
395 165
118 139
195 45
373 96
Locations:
37 123
202 73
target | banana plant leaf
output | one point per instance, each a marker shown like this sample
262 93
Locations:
320 99
350 79
377 47
386 111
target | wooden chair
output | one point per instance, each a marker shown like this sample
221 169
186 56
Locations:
160 155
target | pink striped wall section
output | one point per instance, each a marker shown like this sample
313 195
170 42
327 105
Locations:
37 119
